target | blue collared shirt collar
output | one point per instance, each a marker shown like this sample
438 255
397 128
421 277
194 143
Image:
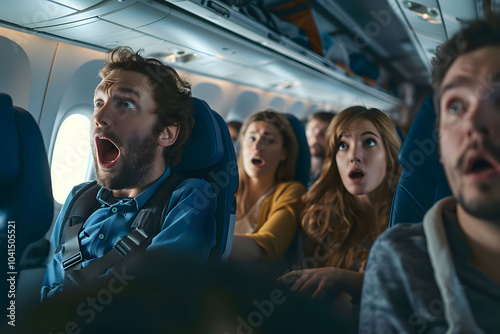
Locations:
104 195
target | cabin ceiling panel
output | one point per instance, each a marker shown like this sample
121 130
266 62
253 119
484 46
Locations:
136 15
49 14
78 4
130 39
213 67
467 11
24 12
251 77
87 30
119 38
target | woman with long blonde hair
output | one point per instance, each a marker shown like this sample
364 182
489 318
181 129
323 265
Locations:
269 201
349 205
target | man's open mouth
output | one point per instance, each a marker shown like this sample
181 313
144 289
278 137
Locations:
108 153
480 165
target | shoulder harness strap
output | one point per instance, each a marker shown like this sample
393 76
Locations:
82 205
145 226
152 214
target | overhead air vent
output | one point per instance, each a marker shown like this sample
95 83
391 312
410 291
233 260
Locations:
427 26
428 14
175 57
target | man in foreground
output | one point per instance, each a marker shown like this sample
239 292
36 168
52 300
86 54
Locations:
444 275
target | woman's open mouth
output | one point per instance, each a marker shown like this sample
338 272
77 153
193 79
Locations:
107 151
257 162
356 175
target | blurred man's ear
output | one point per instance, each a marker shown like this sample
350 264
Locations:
169 135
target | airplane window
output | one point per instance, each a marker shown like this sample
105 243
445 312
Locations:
70 158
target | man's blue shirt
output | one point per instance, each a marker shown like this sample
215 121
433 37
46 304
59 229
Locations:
188 230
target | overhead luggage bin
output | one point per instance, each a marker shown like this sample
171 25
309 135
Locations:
204 37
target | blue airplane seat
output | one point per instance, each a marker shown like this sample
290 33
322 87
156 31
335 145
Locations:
303 164
302 168
9 144
209 155
401 134
26 192
422 181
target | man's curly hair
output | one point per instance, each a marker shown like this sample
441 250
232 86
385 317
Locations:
473 36
171 93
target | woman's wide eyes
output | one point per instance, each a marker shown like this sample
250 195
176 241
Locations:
370 142
263 140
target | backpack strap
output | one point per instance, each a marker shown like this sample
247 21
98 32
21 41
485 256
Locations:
145 226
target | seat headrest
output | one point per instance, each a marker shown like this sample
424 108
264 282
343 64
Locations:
422 181
209 155
303 164
9 142
419 151
28 199
205 146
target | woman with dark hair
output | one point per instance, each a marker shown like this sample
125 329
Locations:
268 200
349 205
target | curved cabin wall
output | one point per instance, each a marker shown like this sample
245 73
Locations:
55 80
15 69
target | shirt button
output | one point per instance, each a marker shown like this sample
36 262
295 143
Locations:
114 209
101 236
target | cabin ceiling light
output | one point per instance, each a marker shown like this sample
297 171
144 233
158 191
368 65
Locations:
428 14
175 57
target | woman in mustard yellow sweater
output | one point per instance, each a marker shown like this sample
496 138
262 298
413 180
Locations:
268 200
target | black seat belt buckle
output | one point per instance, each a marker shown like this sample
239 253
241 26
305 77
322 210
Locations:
130 242
77 258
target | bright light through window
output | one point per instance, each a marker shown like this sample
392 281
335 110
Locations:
70 158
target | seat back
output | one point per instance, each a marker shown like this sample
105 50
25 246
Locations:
302 167
9 144
209 155
422 181
303 164
26 192
25 199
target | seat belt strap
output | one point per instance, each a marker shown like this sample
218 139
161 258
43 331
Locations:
83 204
123 249
158 205
144 227
72 256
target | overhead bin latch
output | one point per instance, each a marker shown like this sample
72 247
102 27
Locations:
218 8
